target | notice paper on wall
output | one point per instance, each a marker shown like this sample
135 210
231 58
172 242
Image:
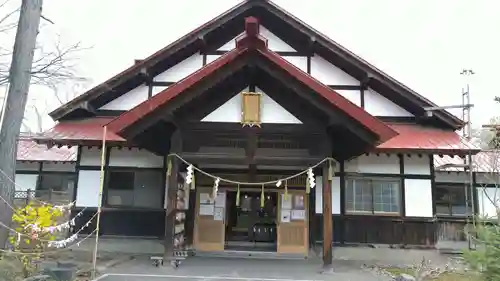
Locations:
286 203
206 210
298 215
285 216
205 198
218 214
220 200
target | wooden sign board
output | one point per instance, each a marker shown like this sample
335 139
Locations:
250 109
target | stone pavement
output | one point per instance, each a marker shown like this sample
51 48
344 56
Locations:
230 269
349 264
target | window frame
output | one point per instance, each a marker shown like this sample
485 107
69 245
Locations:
135 170
464 187
371 179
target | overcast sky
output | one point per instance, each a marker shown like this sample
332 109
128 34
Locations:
422 43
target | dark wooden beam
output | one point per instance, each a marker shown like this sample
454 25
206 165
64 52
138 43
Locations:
175 147
327 214
281 53
232 159
252 142
293 129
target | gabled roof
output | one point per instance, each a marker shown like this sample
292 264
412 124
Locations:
28 150
222 28
253 44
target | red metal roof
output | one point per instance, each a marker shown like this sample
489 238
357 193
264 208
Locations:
253 42
29 150
412 137
79 132
427 139
486 161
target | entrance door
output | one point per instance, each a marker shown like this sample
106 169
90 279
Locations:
209 222
293 221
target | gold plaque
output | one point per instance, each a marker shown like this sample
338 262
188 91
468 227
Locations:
250 106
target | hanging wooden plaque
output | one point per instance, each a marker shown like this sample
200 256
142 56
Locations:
250 109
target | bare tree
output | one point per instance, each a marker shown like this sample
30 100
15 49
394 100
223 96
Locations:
485 232
484 138
53 63
54 68
36 117
22 64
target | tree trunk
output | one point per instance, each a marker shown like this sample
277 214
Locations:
15 104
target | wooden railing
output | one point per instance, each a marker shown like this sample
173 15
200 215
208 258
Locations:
23 197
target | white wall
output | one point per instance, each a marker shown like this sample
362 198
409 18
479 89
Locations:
271 111
273 42
89 181
158 89
353 96
417 164
58 167
25 182
418 198
378 105
318 189
27 166
388 164
124 157
329 74
461 177
181 70
90 156
299 62
373 163
134 157
128 100
87 192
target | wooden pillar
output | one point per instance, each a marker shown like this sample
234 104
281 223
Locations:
327 219
175 147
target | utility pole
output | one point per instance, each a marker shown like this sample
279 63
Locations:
15 104
467 134
468 165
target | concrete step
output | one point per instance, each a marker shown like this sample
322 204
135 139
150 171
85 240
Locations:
249 255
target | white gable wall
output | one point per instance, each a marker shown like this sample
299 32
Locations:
271 112
321 69
329 74
273 42
182 69
378 105
128 100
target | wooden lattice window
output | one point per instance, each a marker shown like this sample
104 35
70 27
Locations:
250 109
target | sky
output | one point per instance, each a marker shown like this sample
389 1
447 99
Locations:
422 43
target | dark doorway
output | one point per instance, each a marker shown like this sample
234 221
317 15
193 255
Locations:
251 227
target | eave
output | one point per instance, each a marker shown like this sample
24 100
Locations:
254 44
197 40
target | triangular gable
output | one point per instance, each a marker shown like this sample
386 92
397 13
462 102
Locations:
275 43
272 112
253 42
194 41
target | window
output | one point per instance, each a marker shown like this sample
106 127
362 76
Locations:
135 188
56 187
373 196
450 200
